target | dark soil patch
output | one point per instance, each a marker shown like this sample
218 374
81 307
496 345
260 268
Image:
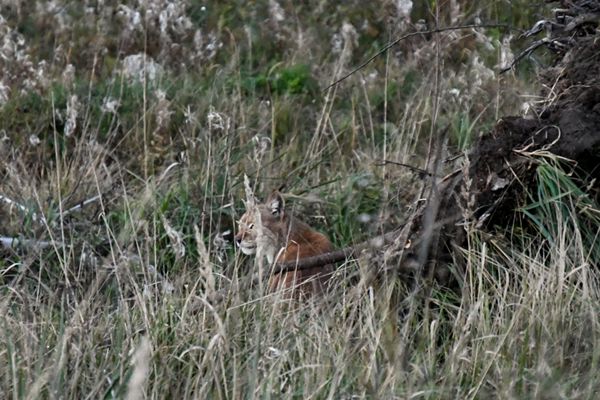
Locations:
501 173
568 126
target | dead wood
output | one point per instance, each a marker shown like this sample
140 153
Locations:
337 255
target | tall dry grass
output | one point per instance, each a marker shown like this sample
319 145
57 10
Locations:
120 173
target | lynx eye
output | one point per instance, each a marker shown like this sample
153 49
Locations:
250 226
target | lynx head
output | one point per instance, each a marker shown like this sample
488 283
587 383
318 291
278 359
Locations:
262 227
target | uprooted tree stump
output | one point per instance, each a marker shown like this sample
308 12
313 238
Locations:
491 187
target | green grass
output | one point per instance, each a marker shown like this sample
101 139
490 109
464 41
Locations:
138 295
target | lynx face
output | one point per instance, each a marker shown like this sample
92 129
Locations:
259 230
246 236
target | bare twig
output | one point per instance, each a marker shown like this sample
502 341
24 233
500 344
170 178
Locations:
82 204
408 35
553 44
559 34
420 171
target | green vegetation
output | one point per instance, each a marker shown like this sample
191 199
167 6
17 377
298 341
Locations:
125 133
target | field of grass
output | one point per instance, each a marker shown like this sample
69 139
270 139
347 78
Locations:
125 134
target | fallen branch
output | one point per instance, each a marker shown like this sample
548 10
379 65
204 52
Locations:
82 204
337 255
400 237
419 171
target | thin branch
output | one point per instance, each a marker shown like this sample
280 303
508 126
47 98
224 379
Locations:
408 35
534 46
414 169
337 255
82 204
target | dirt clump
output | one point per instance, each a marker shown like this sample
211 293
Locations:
501 168
568 126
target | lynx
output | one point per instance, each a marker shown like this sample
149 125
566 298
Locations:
268 230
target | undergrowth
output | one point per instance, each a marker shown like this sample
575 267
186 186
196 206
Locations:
125 132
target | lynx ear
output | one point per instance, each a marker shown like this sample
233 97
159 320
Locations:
276 204
250 201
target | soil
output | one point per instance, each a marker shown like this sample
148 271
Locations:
500 172
567 126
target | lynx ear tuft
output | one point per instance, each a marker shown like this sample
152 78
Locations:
250 201
276 204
